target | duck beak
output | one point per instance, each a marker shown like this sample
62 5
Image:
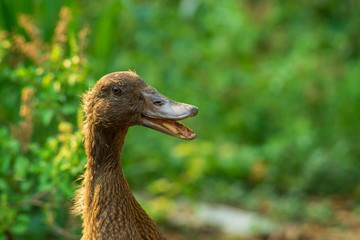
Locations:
163 114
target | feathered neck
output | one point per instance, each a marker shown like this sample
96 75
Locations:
109 209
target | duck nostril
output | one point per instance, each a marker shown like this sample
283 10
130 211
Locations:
158 102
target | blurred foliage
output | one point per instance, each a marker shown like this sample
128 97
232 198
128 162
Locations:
276 83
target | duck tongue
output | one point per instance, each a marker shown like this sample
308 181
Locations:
171 127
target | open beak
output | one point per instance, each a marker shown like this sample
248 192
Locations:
162 114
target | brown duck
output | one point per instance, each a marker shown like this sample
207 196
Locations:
118 101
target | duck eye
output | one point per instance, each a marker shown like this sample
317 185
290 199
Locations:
116 90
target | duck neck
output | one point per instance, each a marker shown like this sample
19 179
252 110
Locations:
103 149
110 209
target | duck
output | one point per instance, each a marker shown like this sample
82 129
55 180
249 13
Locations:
105 202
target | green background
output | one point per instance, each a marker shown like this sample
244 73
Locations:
276 83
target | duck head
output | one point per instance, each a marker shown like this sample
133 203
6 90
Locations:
123 99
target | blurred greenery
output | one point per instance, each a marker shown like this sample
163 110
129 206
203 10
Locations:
276 82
